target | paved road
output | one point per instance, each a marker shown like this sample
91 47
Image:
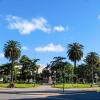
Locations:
45 92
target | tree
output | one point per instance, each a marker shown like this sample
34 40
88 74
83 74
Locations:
83 72
25 71
92 59
68 70
57 65
12 51
28 67
75 53
34 67
5 70
45 72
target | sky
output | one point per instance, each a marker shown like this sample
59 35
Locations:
44 28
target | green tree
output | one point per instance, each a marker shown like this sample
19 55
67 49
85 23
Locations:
68 70
25 71
92 59
83 72
57 65
5 71
12 51
34 67
45 73
75 53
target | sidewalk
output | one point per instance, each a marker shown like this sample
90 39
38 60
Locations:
92 89
46 92
49 89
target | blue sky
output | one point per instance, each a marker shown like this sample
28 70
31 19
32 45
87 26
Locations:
45 27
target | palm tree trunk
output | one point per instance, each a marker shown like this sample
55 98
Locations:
75 71
75 67
12 71
12 75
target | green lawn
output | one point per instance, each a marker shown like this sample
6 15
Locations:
73 86
3 85
19 85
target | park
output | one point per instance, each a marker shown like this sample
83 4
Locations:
49 50
58 80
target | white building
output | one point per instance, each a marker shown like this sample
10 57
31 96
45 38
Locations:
40 68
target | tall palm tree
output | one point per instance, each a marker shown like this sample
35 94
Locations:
12 51
92 59
75 53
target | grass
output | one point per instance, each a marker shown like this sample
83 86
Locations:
72 86
26 85
5 85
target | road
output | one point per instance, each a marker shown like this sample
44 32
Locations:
45 92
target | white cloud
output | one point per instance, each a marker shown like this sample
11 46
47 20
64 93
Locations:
24 48
59 28
1 55
50 48
25 26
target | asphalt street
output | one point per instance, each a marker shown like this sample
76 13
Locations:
45 92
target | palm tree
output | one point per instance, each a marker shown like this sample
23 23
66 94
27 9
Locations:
92 59
25 71
75 53
34 67
12 51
